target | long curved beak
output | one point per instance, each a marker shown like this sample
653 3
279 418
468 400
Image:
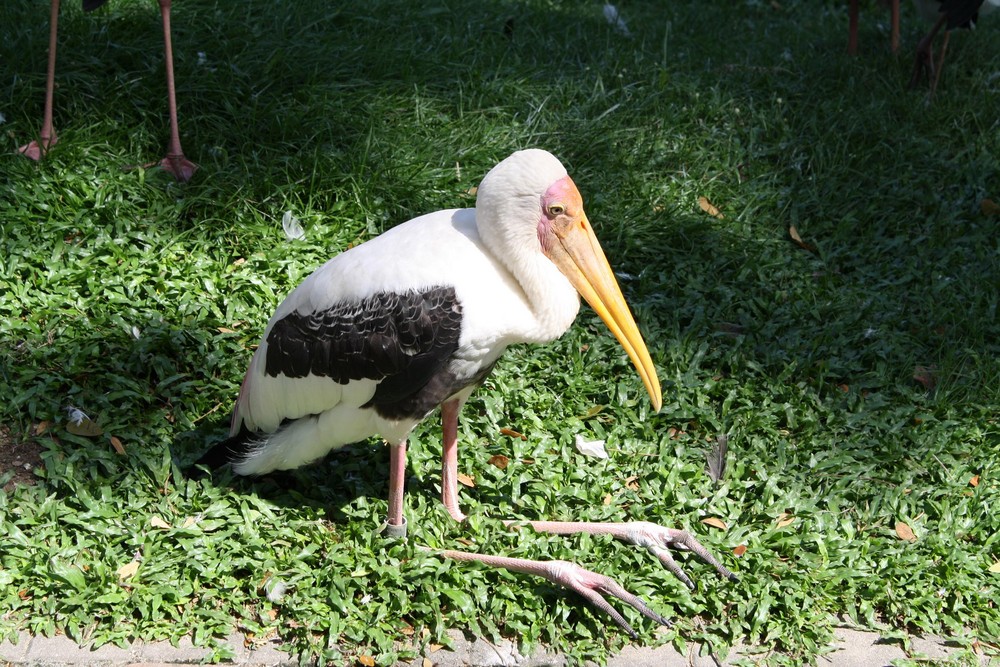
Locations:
577 253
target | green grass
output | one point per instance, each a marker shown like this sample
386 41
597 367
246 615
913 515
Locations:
138 300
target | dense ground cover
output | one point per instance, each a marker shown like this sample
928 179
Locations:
855 374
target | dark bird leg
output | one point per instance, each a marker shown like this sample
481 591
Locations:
36 149
894 31
175 162
924 63
940 63
591 585
852 28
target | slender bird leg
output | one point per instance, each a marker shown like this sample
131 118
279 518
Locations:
397 477
653 537
894 30
924 62
36 149
940 63
449 458
175 162
852 28
591 585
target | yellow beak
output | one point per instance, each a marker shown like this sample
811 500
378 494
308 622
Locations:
577 253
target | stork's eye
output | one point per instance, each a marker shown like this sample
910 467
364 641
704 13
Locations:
556 209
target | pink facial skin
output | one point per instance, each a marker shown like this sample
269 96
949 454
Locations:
561 200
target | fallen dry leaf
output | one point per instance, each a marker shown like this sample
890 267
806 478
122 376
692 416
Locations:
785 519
714 522
904 532
366 660
707 207
157 522
995 567
925 375
512 433
632 483
407 629
740 550
117 444
608 499
224 330
42 426
465 480
428 662
499 461
974 481
128 570
434 648
794 234
989 207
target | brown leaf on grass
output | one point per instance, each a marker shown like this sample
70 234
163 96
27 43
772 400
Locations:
42 426
904 532
974 481
512 433
740 550
989 207
995 568
926 375
608 499
428 662
117 444
714 522
128 570
366 660
499 461
784 519
631 483
794 234
707 207
225 330
157 522
465 480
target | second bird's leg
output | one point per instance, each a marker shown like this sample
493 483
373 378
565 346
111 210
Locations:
175 162
36 149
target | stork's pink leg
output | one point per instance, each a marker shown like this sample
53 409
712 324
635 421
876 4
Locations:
449 459
591 585
36 149
397 478
175 162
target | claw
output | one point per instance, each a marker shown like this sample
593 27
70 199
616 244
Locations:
658 539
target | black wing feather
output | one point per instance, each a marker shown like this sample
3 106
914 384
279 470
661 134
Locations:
401 340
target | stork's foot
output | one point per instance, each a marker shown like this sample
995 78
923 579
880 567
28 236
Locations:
654 537
659 539
593 587
923 66
179 167
36 149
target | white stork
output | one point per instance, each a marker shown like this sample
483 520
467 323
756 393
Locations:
381 335
175 163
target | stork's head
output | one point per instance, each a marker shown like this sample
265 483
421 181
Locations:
532 189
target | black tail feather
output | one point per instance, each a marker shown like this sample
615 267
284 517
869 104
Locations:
227 451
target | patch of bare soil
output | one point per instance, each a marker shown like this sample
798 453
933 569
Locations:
20 455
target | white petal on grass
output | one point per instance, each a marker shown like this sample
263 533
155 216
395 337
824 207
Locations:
3 119
612 16
292 226
136 333
276 590
593 448
76 415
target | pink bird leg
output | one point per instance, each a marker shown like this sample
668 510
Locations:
36 149
175 162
